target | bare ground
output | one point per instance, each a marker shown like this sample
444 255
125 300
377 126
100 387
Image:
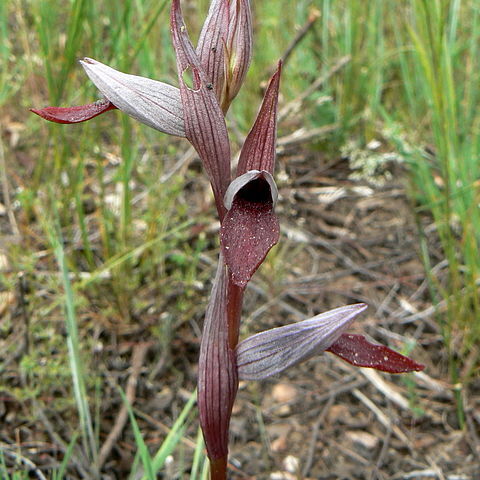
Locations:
342 242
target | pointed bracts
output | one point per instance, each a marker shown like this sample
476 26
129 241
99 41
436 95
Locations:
204 122
217 376
251 228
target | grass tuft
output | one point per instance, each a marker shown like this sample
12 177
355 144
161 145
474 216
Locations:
126 225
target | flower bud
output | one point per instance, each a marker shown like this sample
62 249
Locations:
238 50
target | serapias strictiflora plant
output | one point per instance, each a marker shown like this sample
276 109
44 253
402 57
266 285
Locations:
209 78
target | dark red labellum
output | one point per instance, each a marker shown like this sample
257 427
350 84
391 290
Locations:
358 351
77 114
249 230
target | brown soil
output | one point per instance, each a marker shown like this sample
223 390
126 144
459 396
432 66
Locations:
342 242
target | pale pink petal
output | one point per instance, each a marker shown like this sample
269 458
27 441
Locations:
270 352
153 103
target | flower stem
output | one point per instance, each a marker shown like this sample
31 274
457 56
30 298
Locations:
234 311
218 468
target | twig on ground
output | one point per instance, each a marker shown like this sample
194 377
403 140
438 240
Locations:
382 386
313 16
302 135
138 356
381 456
434 385
77 462
472 433
166 429
308 283
182 162
387 300
314 437
381 417
277 301
428 473
304 236
18 458
359 383
440 307
435 467
350 453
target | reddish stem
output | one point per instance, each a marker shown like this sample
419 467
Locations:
234 311
218 468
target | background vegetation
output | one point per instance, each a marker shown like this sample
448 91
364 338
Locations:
106 223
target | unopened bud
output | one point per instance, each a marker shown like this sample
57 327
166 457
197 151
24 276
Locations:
238 50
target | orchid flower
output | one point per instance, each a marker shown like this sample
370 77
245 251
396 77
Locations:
210 77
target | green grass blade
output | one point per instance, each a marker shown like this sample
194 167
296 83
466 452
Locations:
175 434
198 455
148 27
60 473
141 446
74 355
